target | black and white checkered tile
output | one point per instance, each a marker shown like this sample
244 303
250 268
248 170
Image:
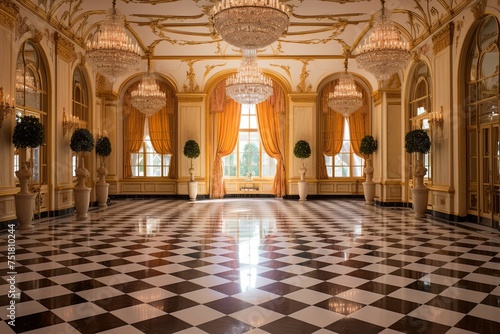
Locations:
252 266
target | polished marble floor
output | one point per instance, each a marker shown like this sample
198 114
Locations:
251 266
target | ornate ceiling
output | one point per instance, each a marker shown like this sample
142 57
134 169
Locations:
180 36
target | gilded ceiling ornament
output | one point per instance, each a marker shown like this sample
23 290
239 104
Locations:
209 68
285 68
478 9
303 87
192 86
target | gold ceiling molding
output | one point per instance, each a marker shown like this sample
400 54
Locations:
390 94
285 68
192 86
209 68
65 48
442 39
303 87
8 14
478 9
303 97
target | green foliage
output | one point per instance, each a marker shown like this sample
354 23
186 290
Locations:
28 132
250 160
103 146
417 141
191 149
81 141
302 150
368 145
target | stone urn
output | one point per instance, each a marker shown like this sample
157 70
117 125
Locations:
368 185
24 200
81 192
302 184
420 193
102 188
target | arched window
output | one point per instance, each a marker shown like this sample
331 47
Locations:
80 105
420 105
149 142
32 99
339 136
482 73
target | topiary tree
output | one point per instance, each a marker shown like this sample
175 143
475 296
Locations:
28 132
191 149
417 141
368 145
81 141
302 150
103 147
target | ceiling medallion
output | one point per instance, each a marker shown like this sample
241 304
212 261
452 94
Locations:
250 24
249 85
112 53
345 99
384 53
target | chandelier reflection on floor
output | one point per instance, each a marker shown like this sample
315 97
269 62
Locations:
147 97
249 85
345 99
384 53
112 53
250 24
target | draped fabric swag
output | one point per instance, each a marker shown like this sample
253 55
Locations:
227 130
133 133
271 130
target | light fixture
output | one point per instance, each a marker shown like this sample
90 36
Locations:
24 80
436 119
112 53
250 24
70 123
384 53
147 97
249 85
5 107
345 98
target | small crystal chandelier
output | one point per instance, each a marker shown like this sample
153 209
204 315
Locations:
345 98
250 24
249 85
384 53
147 97
112 53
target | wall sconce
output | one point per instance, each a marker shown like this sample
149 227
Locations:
70 124
5 107
436 119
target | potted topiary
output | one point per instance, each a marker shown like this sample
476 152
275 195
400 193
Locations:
367 147
418 141
302 151
81 141
192 151
103 150
28 133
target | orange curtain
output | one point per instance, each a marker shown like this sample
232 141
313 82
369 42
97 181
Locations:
228 125
357 129
133 133
271 130
160 133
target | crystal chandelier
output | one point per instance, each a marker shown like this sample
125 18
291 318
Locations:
250 24
147 97
249 85
384 53
24 80
345 98
112 53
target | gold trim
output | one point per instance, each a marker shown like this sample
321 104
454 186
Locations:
190 98
478 9
65 49
303 97
8 14
442 39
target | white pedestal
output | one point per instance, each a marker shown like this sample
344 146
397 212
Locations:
420 197
192 190
82 201
302 190
25 202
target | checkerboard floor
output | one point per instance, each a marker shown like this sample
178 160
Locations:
252 266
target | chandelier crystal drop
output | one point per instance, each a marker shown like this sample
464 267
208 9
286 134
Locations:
384 53
147 97
112 52
250 24
249 85
345 99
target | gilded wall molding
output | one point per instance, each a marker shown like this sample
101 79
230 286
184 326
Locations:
478 9
65 49
190 98
390 94
303 97
8 14
443 39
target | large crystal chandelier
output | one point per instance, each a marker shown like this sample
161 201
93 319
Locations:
250 24
249 85
345 98
384 53
112 53
147 97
